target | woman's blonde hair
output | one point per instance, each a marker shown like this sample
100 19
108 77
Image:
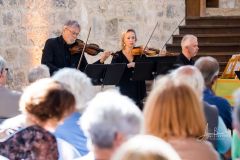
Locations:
123 36
173 110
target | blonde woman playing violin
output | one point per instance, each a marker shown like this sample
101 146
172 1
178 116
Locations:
136 90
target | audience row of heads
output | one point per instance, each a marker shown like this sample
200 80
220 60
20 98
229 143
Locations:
173 108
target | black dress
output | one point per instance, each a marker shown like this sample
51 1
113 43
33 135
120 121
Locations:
136 90
56 55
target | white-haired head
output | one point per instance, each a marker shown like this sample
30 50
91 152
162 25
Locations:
3 63
189 45
38 72
191 76
78 84
146 147
108 114
3 71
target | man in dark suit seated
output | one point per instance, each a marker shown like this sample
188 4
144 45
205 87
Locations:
8 98
190 48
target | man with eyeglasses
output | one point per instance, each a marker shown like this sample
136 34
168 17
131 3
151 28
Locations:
8 98
56 54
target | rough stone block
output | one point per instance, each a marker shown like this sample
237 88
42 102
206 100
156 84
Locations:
60 3
8 19
112 26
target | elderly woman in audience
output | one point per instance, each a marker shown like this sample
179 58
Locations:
108 121
45 104
38 72
83 90
146 147
174 112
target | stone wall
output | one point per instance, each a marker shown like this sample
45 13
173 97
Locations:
26 24
226 8
229 3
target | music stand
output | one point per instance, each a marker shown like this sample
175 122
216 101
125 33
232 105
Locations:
105 74
162 64
166 64
143 71
113 73
238 74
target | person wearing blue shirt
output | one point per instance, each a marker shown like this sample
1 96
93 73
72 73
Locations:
224 108
83 90
209 68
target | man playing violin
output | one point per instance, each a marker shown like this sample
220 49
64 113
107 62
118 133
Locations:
56 52
136 90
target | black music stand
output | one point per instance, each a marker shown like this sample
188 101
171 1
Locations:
162 64
143 71
238 74
95 72
105 74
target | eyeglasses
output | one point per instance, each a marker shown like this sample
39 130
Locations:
4 69
72 32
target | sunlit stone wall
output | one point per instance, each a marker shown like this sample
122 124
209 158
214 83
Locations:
226 8
26 24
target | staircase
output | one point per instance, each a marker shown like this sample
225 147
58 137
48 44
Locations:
218 37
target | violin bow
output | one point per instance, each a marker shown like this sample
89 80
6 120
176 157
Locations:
150 37
84 47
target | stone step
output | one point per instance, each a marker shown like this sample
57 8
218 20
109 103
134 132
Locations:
209 47
220 57
209 29
213 20
212 38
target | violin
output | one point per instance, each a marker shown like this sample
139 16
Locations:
91 49
145 50
149 52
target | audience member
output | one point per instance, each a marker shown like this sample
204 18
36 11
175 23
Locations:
146 147
45 104
82 89
190 48
174 112
216 127
38 72
236 126
209 68
108 121
8 98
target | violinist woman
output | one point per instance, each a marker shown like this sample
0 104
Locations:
57 55
136 90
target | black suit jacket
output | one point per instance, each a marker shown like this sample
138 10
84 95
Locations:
56 55
182 60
